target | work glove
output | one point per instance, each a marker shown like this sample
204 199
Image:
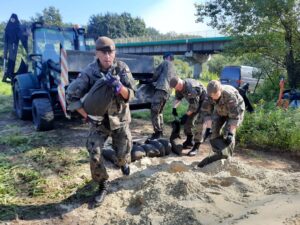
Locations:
183 119
207 134
174 112
229 138
113 82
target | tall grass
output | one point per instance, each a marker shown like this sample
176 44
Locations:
275 129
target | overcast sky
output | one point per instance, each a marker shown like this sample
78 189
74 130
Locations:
163 15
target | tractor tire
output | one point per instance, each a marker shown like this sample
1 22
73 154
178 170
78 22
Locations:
19 104
42 114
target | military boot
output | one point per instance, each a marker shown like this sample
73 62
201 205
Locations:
194 150
188 143
99 198
156 135
125 169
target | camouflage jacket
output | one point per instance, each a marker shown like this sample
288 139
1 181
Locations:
194 92
118 113
231 104
163 74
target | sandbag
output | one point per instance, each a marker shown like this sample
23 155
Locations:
175 138
177 146
157 145
166 144
210 159
151 151
98 98
110 155
137 153
220 146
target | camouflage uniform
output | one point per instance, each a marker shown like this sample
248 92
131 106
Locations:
114 123
228 110
162 76
194 92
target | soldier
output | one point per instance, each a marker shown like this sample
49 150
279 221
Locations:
115 122
162 76
226 107
194 92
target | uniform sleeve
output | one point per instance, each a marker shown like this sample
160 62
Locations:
233 110
76 90
193 100
157 72
128 81
207 108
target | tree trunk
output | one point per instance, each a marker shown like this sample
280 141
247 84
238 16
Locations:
291 65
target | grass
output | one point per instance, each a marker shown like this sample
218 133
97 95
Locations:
5 97
5 89
271 129
167 113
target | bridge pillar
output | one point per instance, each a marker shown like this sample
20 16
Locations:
197 60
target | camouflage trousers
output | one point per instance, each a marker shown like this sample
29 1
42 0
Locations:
220 129
190 124
159 100
198 129
121 143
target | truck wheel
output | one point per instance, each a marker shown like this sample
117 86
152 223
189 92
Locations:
42 114
19 103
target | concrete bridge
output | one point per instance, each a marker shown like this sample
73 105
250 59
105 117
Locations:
178 47
197 50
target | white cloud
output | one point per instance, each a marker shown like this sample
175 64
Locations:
173 15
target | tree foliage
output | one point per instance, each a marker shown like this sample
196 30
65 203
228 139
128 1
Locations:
115 26
269 28
50 16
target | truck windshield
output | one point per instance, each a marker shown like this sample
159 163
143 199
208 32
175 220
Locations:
47 42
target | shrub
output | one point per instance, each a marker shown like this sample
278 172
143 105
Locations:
272 129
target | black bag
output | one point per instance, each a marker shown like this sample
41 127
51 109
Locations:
98 98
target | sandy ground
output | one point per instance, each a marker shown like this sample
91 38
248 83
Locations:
253 187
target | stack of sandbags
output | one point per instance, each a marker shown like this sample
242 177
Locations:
152 148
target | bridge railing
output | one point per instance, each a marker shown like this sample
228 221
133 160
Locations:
168 36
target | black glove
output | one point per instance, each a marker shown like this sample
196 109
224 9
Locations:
229 138
207 134
174 112
113 82
183 119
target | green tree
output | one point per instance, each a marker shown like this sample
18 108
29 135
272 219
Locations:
2 27
115 26
151 32
269 28
50 16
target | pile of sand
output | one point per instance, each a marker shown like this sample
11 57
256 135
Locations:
167 191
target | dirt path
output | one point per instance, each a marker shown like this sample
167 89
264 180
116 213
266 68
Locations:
253 187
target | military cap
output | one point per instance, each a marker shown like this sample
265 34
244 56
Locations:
174 81
105 44
213 86
167 54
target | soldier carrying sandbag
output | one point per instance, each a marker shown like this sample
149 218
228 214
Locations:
109 86
225 107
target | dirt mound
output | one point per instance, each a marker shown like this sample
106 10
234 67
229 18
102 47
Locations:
168 191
